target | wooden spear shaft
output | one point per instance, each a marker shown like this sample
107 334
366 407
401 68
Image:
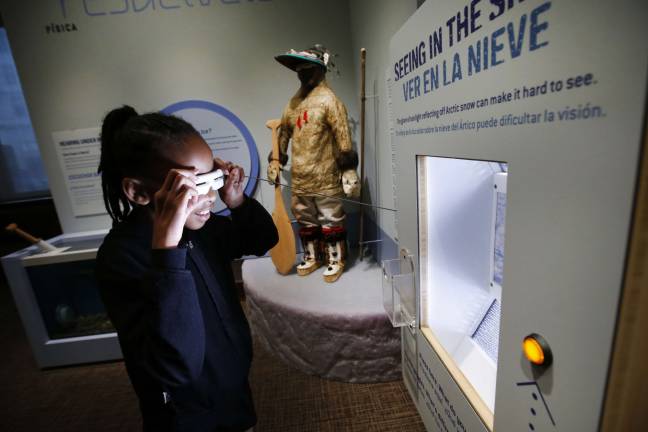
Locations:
363 61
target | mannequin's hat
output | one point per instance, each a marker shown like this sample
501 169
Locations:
316 55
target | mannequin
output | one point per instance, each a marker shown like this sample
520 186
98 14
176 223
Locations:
323 161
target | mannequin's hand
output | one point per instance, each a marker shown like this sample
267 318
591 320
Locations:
232 192
273 171
351 183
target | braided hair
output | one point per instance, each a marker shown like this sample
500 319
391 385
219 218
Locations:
130 146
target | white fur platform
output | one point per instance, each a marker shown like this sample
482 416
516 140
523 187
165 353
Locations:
334 330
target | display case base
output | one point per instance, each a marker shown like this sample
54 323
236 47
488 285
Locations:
335 330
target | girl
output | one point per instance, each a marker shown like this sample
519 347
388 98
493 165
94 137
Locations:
165 277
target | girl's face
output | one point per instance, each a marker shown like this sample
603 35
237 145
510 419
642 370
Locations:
195 153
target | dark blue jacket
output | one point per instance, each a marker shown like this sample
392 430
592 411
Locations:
186 342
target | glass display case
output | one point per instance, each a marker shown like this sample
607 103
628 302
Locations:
68 299
58 301
461 211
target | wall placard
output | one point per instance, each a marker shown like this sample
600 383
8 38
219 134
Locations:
78 154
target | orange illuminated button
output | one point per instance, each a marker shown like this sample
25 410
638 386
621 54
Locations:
536 349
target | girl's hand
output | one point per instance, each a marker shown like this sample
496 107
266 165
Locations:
232 192
174 202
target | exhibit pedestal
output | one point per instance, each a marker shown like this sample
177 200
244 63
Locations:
333 330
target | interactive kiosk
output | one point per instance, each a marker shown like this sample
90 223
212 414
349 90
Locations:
517 134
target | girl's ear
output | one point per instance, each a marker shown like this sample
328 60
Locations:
135 191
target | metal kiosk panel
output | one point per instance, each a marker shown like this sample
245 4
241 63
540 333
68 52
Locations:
556 90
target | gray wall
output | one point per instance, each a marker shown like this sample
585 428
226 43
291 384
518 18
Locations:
373 23
222 53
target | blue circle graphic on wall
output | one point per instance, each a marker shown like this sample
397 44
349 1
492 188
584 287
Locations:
226 135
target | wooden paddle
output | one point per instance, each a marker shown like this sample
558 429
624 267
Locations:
284 252
42 244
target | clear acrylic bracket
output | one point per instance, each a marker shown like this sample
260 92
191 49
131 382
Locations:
399 294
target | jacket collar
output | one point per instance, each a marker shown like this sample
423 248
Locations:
138 223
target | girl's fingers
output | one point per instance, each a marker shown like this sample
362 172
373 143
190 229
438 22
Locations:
228 165
222 165
231 178
174 175
168 180
199 202
219 163
189 173
241 172
237 177
234 175
181 180
183 198
182 190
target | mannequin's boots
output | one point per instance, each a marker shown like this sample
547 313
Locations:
311 238
335 252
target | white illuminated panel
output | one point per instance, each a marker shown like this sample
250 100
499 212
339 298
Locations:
462 207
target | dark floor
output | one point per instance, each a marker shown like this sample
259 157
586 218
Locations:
99 397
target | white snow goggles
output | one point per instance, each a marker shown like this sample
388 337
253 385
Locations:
212 180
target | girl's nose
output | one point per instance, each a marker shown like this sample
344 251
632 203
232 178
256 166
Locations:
211 195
